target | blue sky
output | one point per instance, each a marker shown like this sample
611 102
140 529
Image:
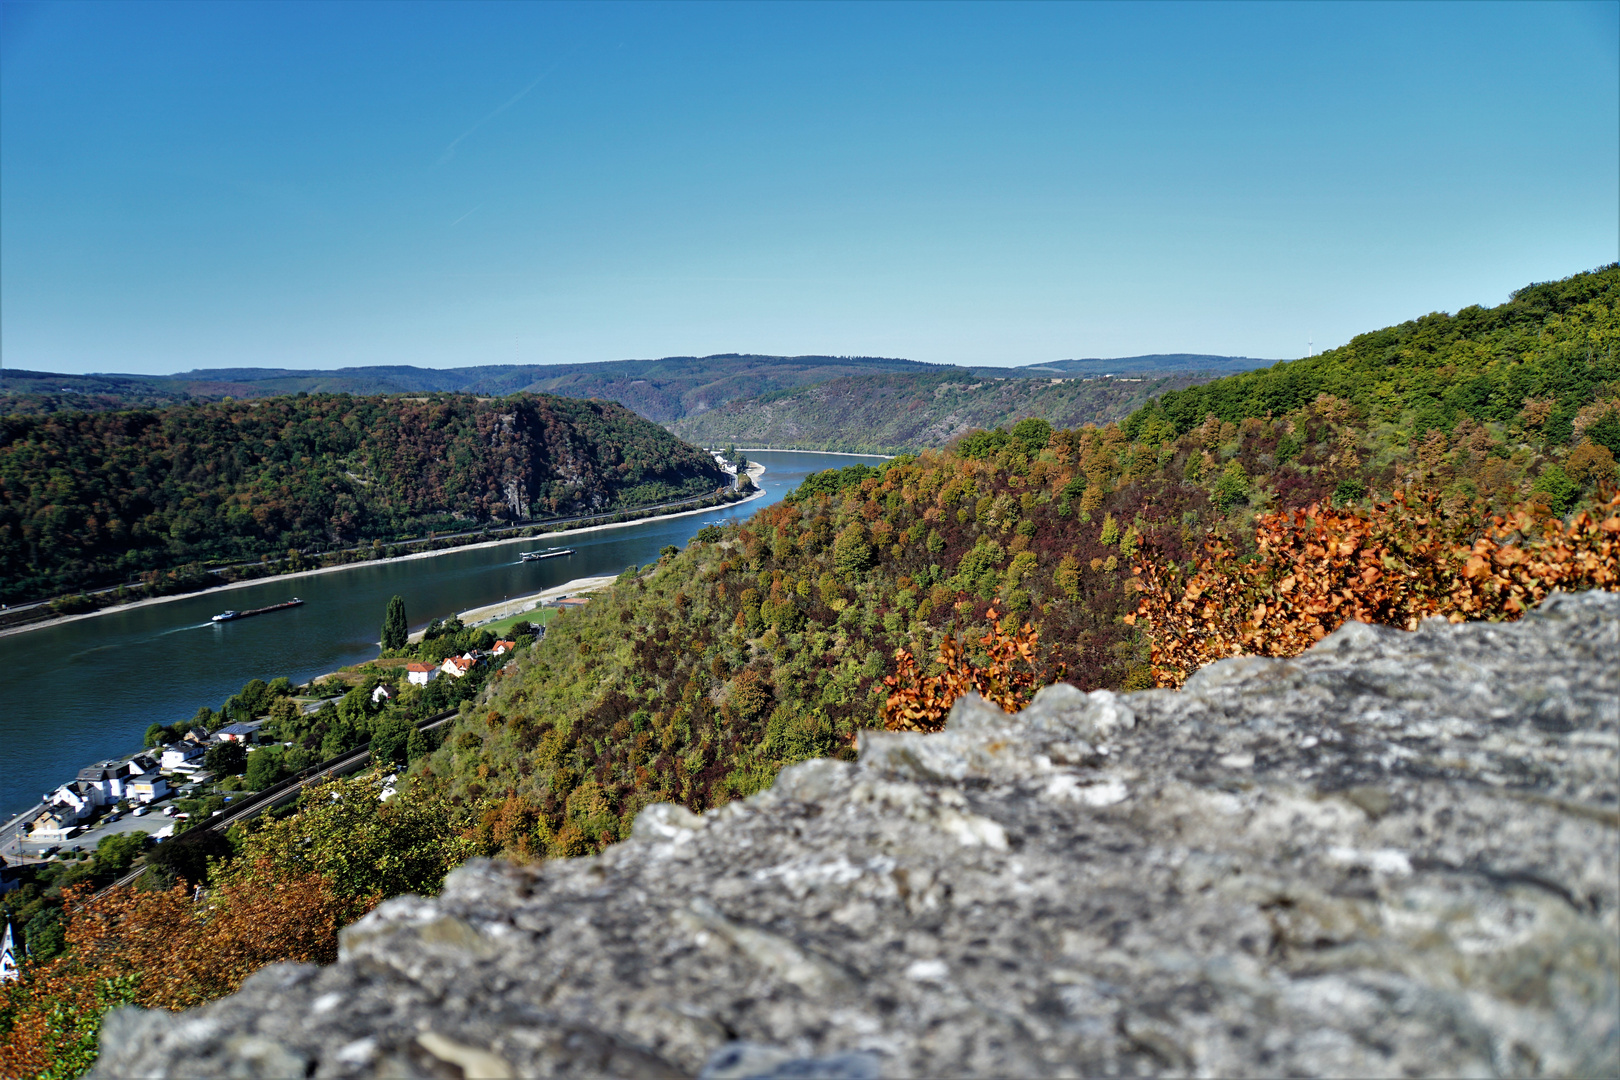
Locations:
323 185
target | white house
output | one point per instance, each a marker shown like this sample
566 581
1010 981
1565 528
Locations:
420 674
141 765
502 648
183 757
75 799
145 789
380 695
458 665
245 733
107 777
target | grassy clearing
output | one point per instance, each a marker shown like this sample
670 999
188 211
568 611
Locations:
539 616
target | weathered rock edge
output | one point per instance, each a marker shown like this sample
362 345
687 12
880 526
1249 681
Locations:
1396 854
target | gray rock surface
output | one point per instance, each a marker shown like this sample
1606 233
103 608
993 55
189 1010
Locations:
1395 855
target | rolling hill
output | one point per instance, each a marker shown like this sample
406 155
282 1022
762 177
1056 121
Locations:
661 390
897 412
95 498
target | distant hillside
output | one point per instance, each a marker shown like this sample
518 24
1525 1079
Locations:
95 498
1156 362
662 390
899 412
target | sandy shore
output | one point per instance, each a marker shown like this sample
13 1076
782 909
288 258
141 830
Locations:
802 450
517 605
378 562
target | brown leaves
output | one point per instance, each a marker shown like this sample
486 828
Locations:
920 702
163 949
1394 565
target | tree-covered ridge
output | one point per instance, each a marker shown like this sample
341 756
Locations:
694 681
1552 343
662 390
87 498
907 412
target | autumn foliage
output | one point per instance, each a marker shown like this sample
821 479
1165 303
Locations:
162 949
919 702
1393 565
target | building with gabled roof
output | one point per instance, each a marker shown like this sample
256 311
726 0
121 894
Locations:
421 674
458 666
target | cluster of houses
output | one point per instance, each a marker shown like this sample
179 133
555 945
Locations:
420 674
140 780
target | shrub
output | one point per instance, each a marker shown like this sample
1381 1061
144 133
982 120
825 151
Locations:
1394 565
920 702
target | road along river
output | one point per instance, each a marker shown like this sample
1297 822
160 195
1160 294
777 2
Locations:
86 690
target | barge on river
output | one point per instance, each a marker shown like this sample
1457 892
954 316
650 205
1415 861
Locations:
232 616
551 553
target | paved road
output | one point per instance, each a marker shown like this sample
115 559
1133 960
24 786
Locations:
151 822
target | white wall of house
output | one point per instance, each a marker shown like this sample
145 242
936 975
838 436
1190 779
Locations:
148 789
182 757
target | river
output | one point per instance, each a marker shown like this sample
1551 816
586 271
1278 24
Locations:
86 690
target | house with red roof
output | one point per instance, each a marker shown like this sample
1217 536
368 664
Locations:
458 666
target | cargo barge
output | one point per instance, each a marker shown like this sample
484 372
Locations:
232 616
533 556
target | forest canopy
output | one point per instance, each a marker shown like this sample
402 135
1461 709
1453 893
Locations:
95 498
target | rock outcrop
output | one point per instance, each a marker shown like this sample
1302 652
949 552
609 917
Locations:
1395 855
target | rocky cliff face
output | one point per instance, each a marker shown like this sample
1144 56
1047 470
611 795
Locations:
1395 855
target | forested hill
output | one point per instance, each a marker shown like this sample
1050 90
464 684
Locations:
663 390
1552 345
89 498
767 642
893 413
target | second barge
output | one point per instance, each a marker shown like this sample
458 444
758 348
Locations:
232 616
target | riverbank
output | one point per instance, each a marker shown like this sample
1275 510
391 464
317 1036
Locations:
517 605
149 601
807 450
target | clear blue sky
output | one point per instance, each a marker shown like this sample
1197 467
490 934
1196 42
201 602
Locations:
320 185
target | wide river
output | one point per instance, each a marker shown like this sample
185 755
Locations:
82 691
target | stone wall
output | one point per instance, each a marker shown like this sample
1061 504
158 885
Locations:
1396 854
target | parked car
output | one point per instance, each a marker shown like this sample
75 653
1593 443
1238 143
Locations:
139 811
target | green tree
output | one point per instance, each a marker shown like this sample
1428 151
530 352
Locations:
226 758
1233 486
391 739
114 853
395 630
364 845
264 768
1033 433
851 552
1556 488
